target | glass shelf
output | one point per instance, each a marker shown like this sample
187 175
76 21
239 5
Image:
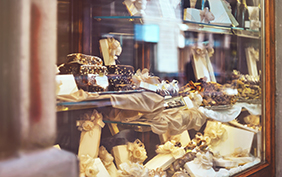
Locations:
212 28
135 19
194 26
69 106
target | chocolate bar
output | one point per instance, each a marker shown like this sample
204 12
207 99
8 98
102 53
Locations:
92 69
70 68
84 59
125 70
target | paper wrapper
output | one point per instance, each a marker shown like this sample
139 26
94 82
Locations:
230 139
183 138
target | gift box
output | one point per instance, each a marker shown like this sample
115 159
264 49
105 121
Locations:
183 138
65 84
167 154
201 166
107 160
90 134
132 152
92 167
121 154
227 140
110 49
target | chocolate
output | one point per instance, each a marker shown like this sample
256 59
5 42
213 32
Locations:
120 87
92 69
84 59
118 79
70 68
125 70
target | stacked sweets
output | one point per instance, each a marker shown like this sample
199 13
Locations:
90 74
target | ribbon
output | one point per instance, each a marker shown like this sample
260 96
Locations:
239 152
206 15
157 173
169 88
89 121
114 48
199 51
170 148
132 169
145 77
200 143
216 132
137 151
106 158
87 166
205 160
140 5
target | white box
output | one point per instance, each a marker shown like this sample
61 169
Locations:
184 138
162 161
90 142
236 138
66 84
195 170
121 154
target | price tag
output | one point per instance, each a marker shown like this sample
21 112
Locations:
148 86
188 102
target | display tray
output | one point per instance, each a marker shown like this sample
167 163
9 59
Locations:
120 92
174 102
219 107
250 101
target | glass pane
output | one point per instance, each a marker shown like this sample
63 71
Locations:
171 87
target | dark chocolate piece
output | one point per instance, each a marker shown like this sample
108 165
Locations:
92 69
84 59
70 68
125 70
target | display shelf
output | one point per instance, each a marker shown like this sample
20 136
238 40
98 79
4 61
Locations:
191 26
218 29
69 106
135 19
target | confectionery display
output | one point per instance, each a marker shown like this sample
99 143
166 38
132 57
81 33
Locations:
213 94
202 118
217 150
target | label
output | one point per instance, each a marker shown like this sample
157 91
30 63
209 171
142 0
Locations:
188 102
148 86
